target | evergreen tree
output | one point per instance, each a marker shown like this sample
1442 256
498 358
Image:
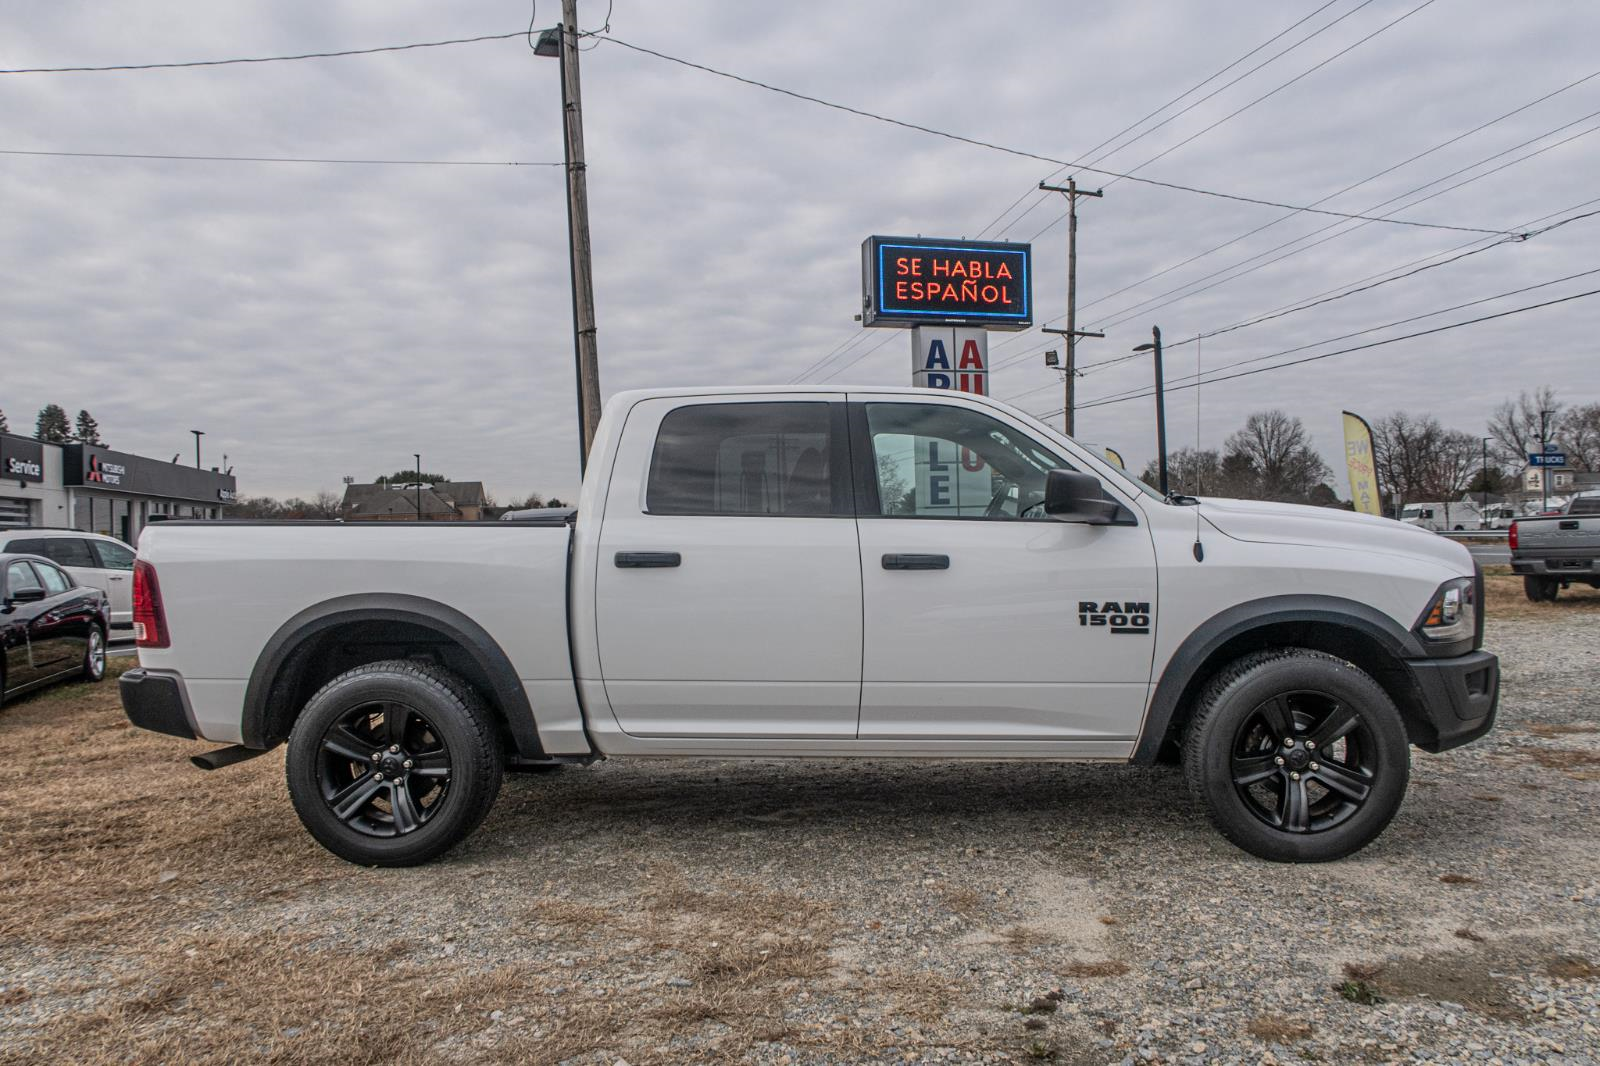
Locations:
88 430
4 426
52 426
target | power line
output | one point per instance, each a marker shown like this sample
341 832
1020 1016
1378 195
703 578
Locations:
842 367
1177 294
281 159
1021 153
1264 96
1350 188
1032 189
1345 351
263 59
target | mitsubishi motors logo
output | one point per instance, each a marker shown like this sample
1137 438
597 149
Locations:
104 473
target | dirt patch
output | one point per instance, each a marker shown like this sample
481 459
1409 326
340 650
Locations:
1277 1030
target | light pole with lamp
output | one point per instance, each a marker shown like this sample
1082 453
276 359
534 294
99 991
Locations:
198 433
418 456
1161 406
1544 471
1483 477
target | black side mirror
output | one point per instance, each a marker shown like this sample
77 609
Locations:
1071 496
32 594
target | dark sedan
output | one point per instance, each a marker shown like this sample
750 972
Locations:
50 627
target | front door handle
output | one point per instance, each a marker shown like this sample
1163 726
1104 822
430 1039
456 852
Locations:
647 560
902 561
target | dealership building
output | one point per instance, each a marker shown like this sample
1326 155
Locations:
83 486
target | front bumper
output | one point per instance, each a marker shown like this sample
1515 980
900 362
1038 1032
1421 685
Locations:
157 702
1458 699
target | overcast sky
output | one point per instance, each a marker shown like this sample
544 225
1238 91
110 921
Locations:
322 320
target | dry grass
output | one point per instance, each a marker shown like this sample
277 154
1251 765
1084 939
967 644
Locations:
1505 600
119 856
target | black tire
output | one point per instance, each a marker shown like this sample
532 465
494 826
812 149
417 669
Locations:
1294 802
94 655
1541 589
393 763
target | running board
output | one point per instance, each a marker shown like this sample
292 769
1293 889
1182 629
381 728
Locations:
233 753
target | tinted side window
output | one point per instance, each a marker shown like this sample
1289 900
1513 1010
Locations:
20 576
68 551
112 556
55 582
32 546
938 461
749 459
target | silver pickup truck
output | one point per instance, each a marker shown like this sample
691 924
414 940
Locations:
1555 552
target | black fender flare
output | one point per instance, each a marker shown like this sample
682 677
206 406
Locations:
490 658
1265 613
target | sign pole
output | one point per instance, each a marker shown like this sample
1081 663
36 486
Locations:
583 325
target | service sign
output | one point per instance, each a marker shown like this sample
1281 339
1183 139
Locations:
21 459
955 359
920 281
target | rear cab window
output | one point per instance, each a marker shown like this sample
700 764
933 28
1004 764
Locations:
778 458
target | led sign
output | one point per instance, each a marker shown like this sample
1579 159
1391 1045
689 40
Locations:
918 281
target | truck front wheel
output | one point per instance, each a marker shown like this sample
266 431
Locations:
1298 756
393 763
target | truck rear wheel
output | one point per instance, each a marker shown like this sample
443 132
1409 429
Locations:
1298 756
1541 589
393 763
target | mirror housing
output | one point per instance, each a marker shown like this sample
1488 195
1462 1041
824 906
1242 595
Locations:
1072 496
27 595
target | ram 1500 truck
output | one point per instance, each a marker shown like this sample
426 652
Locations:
829 573
1555 552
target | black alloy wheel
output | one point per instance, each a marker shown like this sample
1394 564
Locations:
1297 755
393 763
385 769
1302 762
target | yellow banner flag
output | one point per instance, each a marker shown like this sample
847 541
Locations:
1363 472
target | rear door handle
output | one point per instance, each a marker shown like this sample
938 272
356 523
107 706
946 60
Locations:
902 561
1569 524
647 560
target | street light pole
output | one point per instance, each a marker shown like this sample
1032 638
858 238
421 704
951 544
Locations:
1161 406
419 484
1483 477
198 433
1544 471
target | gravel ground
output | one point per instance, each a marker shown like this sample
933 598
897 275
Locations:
810 912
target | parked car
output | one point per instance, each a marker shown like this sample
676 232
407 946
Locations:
101 562
51 627
1557 551
829 573
1442 516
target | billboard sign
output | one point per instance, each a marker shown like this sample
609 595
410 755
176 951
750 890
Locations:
919 281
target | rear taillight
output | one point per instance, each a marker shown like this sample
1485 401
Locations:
149 617
1511 537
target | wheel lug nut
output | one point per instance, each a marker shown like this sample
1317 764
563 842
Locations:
1315 767
377 777
1294 777
393 748
377 755
1310 744
407 764
1288 742
1279 760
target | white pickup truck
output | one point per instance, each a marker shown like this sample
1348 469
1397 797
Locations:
824 573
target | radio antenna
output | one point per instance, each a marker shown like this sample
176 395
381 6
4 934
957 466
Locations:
1199 549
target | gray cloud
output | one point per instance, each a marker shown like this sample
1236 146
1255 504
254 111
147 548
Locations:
328 320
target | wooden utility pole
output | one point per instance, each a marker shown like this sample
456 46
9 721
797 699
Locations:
1072 333
586 350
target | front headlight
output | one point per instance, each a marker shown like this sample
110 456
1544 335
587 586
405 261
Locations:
1453 614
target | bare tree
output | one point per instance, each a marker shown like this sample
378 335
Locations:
1515 425
1280 455
324 504
1419 459
1190 471
1580 436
